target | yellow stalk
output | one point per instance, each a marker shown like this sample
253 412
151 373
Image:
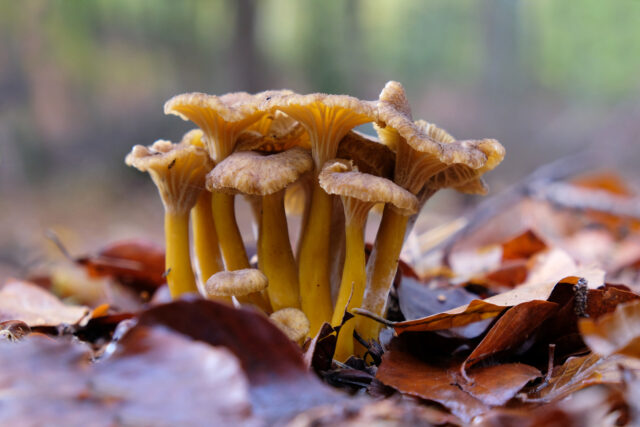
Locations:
351 286
180 276
231 245
313 264
275 255
205 238
381 270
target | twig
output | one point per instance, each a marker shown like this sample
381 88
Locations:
373 316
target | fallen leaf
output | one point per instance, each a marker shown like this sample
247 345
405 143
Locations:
155 377
523 246
160 377
411 375
280 383
35 306
511 330
581 372
138 264
496 385
614 333
419 299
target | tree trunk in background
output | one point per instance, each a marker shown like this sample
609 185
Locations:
245 59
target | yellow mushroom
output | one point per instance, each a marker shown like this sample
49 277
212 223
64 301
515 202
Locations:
359 192
221 120
205 238
327 119
246 285
422 153
267 176
178 170
292 322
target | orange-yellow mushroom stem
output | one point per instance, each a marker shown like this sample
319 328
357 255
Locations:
381 270
275 256
205 238
313 266
351 287
180 276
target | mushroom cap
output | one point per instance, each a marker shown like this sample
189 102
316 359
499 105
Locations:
250 172
341 178
221 118
464 178
394 113
273 133
178 170
194 137
292 322
327 118
368 154
236 283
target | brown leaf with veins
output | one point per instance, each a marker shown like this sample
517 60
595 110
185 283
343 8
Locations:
280 383
581 372
513 328
35 306
443 384
155 377
614 333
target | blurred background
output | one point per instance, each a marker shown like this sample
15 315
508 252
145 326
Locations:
81 82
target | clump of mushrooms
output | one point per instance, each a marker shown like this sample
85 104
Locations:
260 145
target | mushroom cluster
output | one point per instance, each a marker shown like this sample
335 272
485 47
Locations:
278 148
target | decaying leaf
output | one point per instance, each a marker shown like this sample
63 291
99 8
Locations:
523 246
155 377
614 333
138 264
513 328
443 383
581 372
280 383
35 306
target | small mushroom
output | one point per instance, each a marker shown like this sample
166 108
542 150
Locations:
422 152
327 119
267 176
246 284
292 322
359 192
221 120
205 238
178 170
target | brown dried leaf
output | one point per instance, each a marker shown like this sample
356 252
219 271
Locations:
280 383
522 246
552 267
138 264
614 333
35 306
155 377
443 384
496 385
513 328
581 372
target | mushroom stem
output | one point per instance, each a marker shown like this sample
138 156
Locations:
180 276
231 245
351 286
205 238
381 270
275 254
313 264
